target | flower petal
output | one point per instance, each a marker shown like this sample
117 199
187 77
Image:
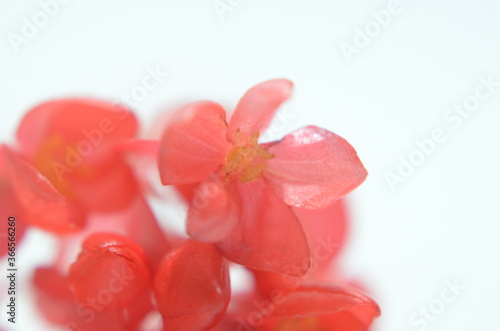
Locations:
268 236
321 300
194 144
192 287
114 263
110 186
44 206
214 211
325 229
9 207
55 301
73 121
53 295
313 167
257 107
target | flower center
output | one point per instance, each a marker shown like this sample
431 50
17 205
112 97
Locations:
247 161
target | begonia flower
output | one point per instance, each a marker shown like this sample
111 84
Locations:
66 163
245 191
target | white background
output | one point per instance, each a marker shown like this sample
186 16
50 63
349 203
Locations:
441 223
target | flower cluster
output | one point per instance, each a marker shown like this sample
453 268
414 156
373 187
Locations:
272 208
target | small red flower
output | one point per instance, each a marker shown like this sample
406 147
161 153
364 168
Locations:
242 203
67 163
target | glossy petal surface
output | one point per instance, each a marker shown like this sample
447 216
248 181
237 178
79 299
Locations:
313 167
111 269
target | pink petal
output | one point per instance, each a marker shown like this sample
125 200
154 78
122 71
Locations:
73 121
257 107
312 301
214 211
268 236
325 229
140 147
108 187
44 206
194 144
313 167
192 287
9 207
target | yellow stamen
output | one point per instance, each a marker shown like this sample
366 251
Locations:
247 161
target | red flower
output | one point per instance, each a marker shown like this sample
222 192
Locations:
242 203
68 164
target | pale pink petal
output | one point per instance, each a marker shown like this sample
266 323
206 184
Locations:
313 167
257 107
194 144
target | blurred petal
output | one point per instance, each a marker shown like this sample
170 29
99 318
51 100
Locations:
9 207
192 287
312 301
55 301
313 167
138 223
72 143
109 187
74 121
214 211
140 147
44 206
325 229
53 295
257 107
268 236
112 269
194 144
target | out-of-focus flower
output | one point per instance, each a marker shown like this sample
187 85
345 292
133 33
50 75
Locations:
246 188
66 163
